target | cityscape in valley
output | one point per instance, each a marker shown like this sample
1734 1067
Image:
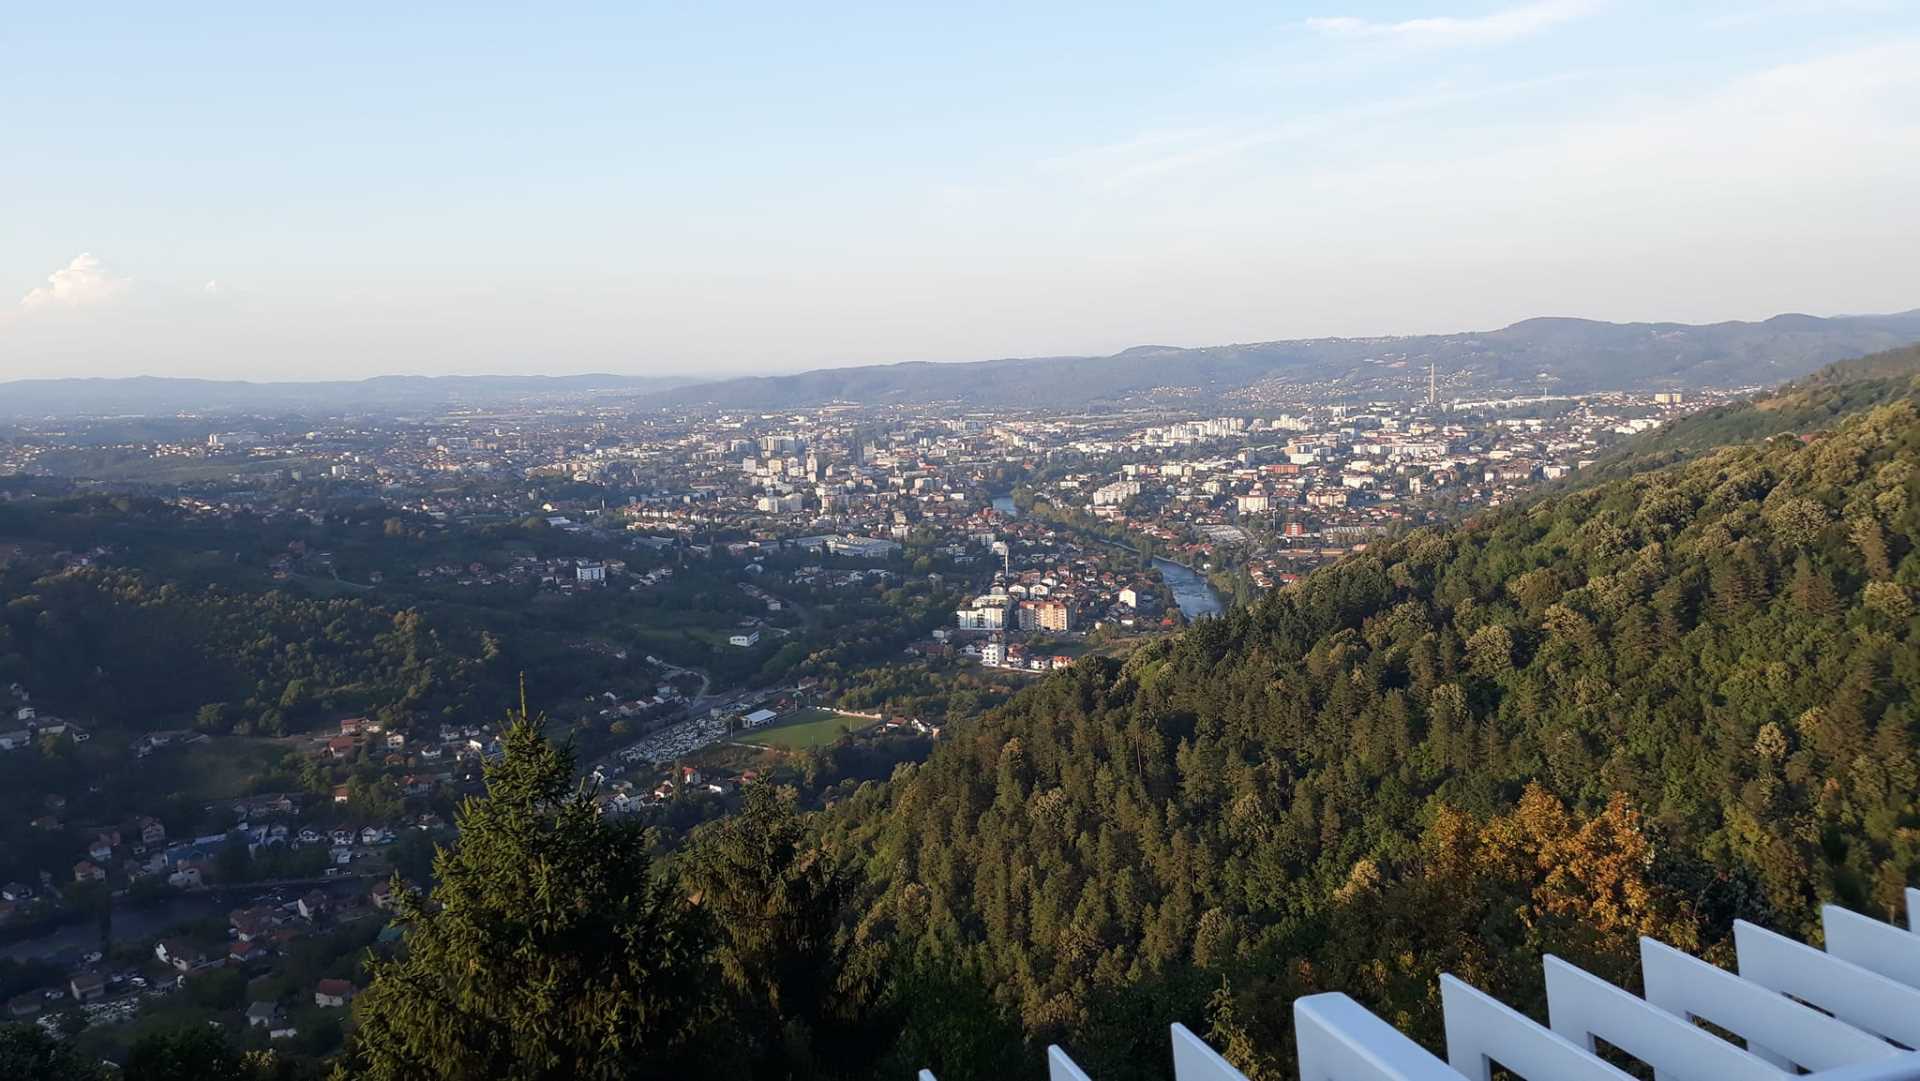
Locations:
699 598
892 542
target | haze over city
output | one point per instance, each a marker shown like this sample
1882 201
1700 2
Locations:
670 189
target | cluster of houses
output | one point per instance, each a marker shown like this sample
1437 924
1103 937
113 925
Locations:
141 850
255 934
997 653
664 697
565 575
124 853
21 725
682 780
1050 581
817 576
359 737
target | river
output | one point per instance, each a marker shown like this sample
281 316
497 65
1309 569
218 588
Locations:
1191 590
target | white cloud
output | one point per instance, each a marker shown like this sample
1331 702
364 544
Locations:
212 288
1447 31
81 283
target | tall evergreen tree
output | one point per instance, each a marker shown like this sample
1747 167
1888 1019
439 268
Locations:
548 951
806 989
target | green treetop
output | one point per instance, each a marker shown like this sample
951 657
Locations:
548 950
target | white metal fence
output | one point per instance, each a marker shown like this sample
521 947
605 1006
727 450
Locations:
1848 1013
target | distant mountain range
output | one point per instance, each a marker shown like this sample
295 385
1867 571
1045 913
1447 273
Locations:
1576 355
151 395
1564 355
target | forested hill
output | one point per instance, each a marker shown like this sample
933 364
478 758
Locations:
1709 672
1575 355
1812 404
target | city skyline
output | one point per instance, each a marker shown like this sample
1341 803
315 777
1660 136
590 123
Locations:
657 192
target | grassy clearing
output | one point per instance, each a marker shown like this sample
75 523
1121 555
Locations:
221 768
805 728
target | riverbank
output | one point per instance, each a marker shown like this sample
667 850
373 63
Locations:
1191 591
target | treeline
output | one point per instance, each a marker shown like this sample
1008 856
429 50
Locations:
112 646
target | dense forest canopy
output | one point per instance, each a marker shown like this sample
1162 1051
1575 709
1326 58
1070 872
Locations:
1715 663
117 647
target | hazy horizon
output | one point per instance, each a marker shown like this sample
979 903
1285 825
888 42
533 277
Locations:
558 373
284 196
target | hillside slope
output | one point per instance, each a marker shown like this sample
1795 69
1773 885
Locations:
1576 355
1709 671
1812 404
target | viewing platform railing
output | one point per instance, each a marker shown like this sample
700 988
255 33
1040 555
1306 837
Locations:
1850 1012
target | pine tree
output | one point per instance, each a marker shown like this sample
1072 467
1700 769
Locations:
548 951
806 990
1226 1031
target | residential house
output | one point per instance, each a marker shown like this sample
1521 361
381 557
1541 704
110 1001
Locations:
88 986
179 954
262 1014
332 993
88 871
249 924
314 905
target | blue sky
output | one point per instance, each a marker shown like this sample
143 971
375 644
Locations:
246 192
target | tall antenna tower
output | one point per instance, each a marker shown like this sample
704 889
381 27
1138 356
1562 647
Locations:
1433 384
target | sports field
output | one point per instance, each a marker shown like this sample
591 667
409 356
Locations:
804 728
